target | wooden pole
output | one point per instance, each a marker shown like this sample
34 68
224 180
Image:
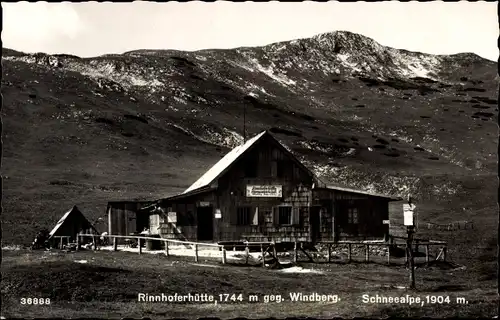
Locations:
427 254
166 249
115 244
410 253
78 242
95 242
196 252
349 253
329 252
444 254
367 253
389 254
247 253
140 245
262 255
295 254
223 255
274 251
61 243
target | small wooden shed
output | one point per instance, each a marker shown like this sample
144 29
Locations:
70 224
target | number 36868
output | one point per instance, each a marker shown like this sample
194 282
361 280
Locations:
35 301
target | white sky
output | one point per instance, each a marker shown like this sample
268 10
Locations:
91 28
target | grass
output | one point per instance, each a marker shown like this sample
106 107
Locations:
108 285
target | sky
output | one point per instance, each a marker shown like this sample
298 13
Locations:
92 29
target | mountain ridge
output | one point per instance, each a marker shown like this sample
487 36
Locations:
145 125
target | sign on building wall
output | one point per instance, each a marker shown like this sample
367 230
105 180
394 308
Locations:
204 204
218 214
271 191
408 214
172 217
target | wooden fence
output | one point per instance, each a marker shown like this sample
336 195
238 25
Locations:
391 243
456 225
195 245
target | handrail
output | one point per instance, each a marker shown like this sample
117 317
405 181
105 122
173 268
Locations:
152 238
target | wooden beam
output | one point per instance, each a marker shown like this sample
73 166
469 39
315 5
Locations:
61 243
115 244
262 255
274 251
247 253
196 252
223 255
295 254
78 245
139 245
307 254
167 253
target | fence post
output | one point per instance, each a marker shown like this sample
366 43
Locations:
247 253
262 254
139 244
115 244
77 242
427 254
196 252
329 252
367 252
223 255
295 254
166 248
389 254
349 253
274 250
444 254
95 242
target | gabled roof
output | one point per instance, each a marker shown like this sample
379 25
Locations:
223 164
391 198
64 217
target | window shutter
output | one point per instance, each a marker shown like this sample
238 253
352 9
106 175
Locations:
295 216
276 216
255 220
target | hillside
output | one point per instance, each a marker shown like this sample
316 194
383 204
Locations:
145 124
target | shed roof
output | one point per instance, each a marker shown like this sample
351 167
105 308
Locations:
373 194
61 221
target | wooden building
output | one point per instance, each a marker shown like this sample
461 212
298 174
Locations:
71 223
260 192
128 217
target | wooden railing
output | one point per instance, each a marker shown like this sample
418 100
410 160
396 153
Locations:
195 245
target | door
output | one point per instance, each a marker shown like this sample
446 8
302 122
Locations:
314 223
205 223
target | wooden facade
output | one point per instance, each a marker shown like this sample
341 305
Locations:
127 217
290 204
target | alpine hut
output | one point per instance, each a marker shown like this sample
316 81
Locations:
260 191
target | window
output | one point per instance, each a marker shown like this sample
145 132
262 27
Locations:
284 215
246 216
352 216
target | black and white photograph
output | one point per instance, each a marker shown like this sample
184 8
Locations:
182 160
